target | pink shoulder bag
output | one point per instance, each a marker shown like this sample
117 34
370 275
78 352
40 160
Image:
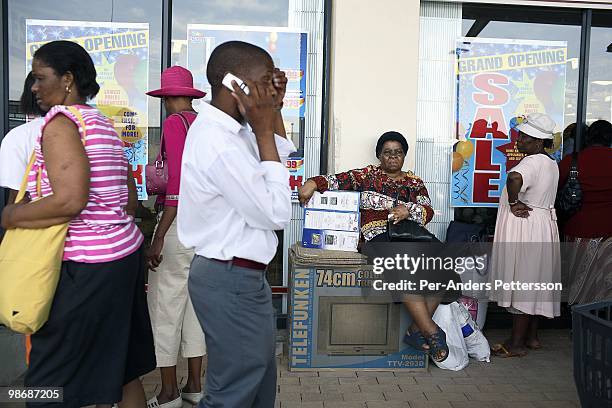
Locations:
156 175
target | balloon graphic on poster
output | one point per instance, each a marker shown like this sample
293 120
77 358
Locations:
457 161
465 148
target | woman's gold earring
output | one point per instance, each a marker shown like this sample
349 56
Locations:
68 89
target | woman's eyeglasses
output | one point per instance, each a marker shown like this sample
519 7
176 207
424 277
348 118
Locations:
392 153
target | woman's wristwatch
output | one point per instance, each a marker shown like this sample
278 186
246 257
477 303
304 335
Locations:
513 202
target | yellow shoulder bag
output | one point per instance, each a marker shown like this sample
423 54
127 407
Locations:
30 263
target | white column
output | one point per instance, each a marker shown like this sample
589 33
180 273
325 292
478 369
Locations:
307 15
440 27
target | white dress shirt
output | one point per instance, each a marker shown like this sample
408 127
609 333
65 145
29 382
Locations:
15 152
230 201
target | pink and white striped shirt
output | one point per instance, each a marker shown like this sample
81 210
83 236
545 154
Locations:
103 231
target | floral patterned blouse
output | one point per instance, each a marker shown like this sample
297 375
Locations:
379 193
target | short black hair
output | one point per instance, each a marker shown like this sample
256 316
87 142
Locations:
548 143
570 131
391 136
574 131
600 132
27 103
67 56
237 57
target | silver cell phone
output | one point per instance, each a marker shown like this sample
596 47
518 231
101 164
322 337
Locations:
227 81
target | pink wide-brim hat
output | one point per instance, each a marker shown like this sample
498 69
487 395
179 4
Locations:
177 81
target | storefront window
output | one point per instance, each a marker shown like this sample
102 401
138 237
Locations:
291 30
199 26
124 40
599 97
532 23
546 86
272 13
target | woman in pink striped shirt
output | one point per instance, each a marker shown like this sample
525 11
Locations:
98 340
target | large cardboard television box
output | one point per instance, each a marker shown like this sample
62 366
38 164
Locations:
336 323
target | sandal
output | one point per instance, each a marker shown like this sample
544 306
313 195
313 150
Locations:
416 340
438 349
500 350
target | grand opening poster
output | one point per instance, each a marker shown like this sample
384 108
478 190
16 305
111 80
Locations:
499 81
120 52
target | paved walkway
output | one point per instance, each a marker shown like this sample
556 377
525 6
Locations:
543 379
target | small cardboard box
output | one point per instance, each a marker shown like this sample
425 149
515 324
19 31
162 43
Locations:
332 220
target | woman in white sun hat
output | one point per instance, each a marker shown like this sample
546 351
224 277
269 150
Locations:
526 245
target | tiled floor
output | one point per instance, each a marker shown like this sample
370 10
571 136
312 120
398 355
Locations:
543 379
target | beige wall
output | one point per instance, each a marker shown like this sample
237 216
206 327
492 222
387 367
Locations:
374 78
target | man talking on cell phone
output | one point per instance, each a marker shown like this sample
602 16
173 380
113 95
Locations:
234 195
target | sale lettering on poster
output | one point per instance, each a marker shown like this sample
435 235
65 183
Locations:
120 52
288 49
499 82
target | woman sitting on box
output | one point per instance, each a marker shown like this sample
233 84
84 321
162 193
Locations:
387 192
385 189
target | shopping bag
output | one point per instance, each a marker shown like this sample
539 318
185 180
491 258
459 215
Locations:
457 356
30 262
475 342
477 308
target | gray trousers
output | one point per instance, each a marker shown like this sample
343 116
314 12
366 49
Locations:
234 307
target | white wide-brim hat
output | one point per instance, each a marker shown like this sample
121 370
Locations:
538 125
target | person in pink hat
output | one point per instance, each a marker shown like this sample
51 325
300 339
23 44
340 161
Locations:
173 319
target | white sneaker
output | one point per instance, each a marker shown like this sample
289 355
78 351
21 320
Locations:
192 397
175 403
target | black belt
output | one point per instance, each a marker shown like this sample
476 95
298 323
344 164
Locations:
244 263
